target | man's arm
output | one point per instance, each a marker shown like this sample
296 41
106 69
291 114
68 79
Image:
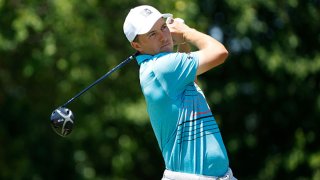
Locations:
184 47
211 52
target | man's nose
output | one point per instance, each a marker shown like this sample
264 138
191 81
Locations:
161 36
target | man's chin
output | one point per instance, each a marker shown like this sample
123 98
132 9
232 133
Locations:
167 49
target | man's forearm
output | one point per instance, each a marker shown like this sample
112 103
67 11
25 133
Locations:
184 47
201 40
211 52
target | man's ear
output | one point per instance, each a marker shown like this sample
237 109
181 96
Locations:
136 46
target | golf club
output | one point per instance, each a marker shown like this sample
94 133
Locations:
62 118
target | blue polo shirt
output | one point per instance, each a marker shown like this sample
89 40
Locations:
186 131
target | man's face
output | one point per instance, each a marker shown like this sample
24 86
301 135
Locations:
157 40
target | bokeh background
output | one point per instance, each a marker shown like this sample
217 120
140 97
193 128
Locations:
265 97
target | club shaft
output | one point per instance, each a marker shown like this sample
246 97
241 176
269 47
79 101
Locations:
101 78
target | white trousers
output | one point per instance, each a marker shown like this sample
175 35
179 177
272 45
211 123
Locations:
171 175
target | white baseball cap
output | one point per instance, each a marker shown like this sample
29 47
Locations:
140 20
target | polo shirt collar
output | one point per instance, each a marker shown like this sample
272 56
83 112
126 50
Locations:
143 57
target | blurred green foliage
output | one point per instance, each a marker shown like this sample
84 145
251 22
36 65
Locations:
266 97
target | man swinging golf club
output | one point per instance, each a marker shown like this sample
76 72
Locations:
187 133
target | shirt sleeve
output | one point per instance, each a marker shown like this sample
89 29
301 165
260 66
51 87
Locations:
175 71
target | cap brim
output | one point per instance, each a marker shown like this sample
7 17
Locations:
149 26
166 15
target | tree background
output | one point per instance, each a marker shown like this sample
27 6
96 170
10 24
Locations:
265 97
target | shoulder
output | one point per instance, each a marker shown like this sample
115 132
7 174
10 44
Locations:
177 55
172 60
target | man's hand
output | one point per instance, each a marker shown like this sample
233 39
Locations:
177 28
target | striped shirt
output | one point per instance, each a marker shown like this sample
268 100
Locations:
187 133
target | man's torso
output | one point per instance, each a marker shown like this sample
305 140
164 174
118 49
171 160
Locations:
185 128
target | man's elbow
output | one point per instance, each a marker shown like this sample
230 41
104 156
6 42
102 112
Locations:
223 55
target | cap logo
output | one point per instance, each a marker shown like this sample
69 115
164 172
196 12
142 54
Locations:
146 12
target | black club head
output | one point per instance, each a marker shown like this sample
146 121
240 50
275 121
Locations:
62 121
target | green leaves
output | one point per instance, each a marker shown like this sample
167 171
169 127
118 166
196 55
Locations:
265 97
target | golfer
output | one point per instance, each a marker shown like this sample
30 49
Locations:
186 130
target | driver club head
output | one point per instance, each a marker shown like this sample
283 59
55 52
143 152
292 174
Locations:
62 121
